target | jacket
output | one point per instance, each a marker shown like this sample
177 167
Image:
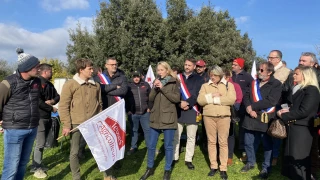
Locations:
108 91
193 83
163 114
304 108
47 92
237 88
281 73
270 93
79 101
244 80
19 102
217 106
137 98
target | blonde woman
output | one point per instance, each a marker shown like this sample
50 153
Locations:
165 95
216 99
299 120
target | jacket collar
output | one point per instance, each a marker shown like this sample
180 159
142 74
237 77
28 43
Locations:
81 81
278 66
222 81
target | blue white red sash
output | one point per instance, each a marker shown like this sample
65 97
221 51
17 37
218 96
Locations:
185 92
105 80
257 95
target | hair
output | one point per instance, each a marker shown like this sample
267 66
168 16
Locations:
227 73
270 67
176 68
283 62
192 60
44 67
278 52
168 68
96 70
312 55
216 70
110 58
309 76
82 63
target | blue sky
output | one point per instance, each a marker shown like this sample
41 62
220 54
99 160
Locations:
41 26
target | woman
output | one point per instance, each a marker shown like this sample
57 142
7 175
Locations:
216 100
165 95
299 120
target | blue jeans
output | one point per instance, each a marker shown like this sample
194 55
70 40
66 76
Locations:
143 119
17 149
276 147
168 146
251 143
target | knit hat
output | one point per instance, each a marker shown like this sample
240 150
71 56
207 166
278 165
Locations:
240 62
26 61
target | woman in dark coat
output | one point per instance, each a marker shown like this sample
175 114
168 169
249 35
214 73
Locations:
165 95
299 120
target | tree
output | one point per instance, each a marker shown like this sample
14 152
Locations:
59 70
5 69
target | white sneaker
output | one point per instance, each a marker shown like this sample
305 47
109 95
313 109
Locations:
40 174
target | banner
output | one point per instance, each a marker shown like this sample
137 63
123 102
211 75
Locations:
254 70
150 76
105 134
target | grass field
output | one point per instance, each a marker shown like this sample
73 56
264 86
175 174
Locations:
133 167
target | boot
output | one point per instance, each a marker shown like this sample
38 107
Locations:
149 172
166 175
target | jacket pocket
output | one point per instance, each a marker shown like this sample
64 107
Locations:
167 116
152 115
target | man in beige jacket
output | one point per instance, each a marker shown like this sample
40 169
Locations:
79 101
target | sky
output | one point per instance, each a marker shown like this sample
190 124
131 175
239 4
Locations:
41 27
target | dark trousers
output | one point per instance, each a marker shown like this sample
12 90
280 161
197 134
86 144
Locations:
315 161
241 114
204 134
231 140
42 133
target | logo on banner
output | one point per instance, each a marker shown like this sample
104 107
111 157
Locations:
116 128
103 130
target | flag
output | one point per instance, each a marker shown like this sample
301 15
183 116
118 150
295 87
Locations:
254 70
150 76
105 135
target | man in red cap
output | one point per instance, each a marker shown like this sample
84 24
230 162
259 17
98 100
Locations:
201 70
244 79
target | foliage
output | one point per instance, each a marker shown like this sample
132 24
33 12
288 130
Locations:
59 70
5 69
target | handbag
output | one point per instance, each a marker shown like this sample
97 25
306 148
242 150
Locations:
277 129
234 115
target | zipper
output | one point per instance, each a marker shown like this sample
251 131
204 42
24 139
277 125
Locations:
30 106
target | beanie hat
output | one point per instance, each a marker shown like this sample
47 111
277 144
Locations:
26 61
240 62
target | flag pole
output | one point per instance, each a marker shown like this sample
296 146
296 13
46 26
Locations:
70 132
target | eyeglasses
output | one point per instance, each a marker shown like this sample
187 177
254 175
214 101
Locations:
199 66
261 70
112 64
272 57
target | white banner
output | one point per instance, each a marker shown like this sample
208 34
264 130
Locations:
105 134
254 70
150 76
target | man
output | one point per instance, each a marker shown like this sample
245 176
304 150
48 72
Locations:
284 64
308 59
114 86
190 87
201 70
138 108
241 77
80 100
260 104
48 98
19 115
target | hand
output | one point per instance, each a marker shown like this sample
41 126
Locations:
65 131
118 87
156 82
237 106
129 113
148 110
279 113
249 109
216 94
253 114
54 109
184 104
49 102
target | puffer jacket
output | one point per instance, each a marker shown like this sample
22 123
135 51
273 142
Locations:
137 98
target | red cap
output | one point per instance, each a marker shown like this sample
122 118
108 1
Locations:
240 62
200 63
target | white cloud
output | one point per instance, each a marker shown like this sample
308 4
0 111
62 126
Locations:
58 5
242 19
51 43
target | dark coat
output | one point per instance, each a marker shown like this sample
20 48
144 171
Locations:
244 79
271 93
109 91
163 114
193 83
137 99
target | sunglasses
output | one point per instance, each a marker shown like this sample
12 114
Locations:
261 70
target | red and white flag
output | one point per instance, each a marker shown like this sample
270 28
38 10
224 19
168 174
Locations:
105 134
150 76
254 70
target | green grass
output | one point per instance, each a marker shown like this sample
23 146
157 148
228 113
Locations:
133 167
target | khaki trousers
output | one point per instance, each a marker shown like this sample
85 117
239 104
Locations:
217 126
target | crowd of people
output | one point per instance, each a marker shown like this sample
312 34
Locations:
196 94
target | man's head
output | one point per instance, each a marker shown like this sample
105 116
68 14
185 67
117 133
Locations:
275 56
237 65
45 70
175 69
200 66
136 77
27 63
308 59
189 66
111 65
84 68
284 64
265 70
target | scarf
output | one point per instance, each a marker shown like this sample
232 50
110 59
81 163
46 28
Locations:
296 88
164 80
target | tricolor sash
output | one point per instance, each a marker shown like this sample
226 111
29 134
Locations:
105 80
257 95
185 92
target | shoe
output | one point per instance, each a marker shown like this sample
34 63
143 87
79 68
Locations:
149 172
33 169
212 172
109 178
174 162
229 163
189 165
223 175
166 175
244 158
274 161
263 174
40 174
131 151
247 168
